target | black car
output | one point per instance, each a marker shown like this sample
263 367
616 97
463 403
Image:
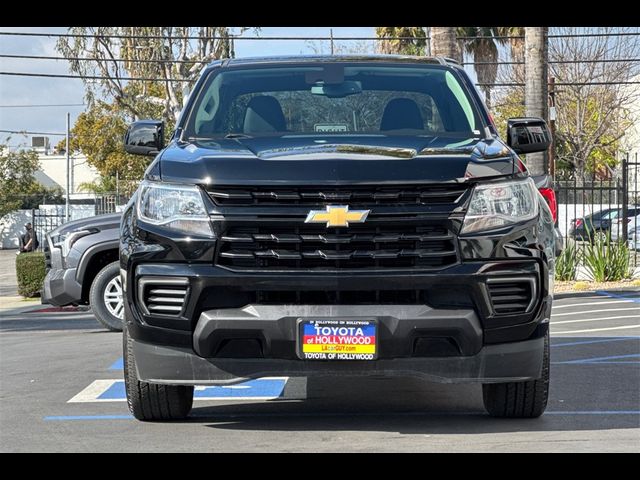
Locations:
336 216
82 267
597 224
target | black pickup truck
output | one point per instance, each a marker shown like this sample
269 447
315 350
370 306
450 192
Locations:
336 216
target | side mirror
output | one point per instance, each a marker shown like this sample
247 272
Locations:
145 137
528 135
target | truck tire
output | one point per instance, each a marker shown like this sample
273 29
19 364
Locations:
150 401
105 305
519 399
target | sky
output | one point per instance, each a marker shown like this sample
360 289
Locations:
39 91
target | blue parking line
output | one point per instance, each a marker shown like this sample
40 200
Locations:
596 412
605 362
635 299
258 388
115 392
89 417
604 340
610 362
117 365
265 388
601 359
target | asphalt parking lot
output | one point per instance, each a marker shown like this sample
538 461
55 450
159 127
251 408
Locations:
61 390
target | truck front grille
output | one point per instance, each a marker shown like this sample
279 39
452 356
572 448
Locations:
337 297
353 195
429 246
47 256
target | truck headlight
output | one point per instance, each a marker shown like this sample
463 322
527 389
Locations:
64 241
497 205
174 206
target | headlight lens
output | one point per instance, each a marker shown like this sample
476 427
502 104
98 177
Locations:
178 207
497 205
65 241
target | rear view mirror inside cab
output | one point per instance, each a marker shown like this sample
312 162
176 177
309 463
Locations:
337 90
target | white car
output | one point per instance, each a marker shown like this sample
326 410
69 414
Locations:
634 238
633 222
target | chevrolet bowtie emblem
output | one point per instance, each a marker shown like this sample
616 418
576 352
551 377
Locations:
337 216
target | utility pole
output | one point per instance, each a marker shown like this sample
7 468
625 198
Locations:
331 35
67 211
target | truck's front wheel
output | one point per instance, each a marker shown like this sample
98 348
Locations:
149 401
519 399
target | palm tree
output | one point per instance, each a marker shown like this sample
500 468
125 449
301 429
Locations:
413 40
516 47
536 88
481 44
444 43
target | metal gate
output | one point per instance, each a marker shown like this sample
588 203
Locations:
608 207
44 221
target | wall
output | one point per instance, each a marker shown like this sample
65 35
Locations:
12 225
54 171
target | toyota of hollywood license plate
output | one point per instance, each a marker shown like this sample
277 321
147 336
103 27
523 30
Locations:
338 340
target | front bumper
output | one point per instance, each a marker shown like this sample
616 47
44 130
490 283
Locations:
60 287
463 286
510 362
210 343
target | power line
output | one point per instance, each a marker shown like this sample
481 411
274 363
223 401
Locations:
568 35
92 77
556 83
45 105
119 60
329 38
556 62
199 37
25 132
95 77
124 60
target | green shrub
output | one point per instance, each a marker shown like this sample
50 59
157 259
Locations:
30 271
605 260
567 262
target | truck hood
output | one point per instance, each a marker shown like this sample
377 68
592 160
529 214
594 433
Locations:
101 222
313 160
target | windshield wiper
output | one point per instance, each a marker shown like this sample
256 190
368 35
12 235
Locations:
212 139
237 135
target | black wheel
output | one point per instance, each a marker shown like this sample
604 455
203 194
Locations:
106 298
149 401
519 399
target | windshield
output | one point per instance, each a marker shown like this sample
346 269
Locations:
335 99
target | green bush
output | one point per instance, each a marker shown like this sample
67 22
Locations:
30 271
567 262
605 260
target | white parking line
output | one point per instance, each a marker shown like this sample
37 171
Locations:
597 311
597 329
93 391
604 302
595 319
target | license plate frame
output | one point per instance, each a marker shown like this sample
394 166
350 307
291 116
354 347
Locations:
321 345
